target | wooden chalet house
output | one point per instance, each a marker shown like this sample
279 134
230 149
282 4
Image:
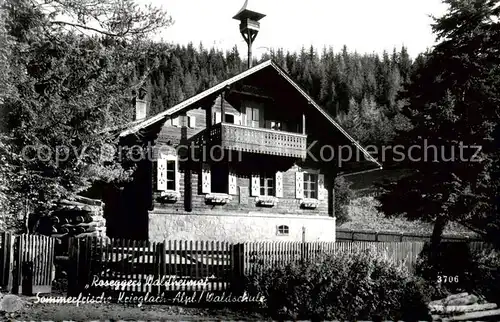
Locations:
249 159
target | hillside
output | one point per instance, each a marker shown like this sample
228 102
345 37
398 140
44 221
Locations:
364 216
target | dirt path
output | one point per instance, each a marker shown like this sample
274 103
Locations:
58 312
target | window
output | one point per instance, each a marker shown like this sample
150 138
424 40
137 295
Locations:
167 173
283 230
255 114
175 121
171 175
219 176
310 185
274 125
192 121
266 184
229 118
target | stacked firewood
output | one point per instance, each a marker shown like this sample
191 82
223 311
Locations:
463 307
82 217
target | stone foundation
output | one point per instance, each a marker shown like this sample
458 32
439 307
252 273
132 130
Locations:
239 228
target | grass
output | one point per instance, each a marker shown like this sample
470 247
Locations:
364 216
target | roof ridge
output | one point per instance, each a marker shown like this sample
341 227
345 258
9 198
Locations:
214 89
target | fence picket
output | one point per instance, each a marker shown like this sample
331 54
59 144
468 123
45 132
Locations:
121 259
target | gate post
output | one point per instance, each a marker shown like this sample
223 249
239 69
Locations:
16 267
8 258
160 256
74 266
238 263
27 278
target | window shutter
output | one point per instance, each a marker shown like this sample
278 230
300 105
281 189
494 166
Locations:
237 120
255 185
279 184
233 185
175 121
217 118
299 185
177 173
161 174
205 179
321 187
192 122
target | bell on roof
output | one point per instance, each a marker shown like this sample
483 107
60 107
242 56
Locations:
248 12
249 26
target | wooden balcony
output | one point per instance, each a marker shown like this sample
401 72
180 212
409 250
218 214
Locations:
258 140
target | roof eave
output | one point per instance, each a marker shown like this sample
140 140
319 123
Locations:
221 86
195 99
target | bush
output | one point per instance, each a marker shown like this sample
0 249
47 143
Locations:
348 286
486 274
454 261
343 196
476 272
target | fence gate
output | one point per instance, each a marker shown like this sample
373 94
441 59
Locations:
6 260
33 264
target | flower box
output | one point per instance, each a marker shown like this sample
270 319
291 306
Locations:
309 203
217 198
266 201
169 196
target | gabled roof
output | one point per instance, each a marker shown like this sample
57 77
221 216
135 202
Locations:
160 117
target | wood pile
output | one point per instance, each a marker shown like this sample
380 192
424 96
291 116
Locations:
463 307
82 217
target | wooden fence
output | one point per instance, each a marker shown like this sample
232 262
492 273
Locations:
343 235
26 263
153 267
134 266
263 254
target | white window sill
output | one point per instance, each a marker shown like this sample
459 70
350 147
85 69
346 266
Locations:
218 198
266 201
309 203
169 196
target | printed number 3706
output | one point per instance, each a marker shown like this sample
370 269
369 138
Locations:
447 279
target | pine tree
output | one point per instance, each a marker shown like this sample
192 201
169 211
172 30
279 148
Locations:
453 102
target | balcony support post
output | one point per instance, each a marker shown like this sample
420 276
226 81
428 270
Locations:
303 123
209 115
222 108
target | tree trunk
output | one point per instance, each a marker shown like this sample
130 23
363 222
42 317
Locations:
437 236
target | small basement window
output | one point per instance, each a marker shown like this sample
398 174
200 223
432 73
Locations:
229 118
283 230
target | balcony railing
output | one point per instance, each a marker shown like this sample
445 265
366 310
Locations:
258 140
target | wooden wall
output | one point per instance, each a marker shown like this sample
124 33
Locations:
190 175
243 202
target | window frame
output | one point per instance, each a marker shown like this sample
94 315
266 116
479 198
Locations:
191 121
283 230
213 173
265 178
172 158
274 125
307 193
231 114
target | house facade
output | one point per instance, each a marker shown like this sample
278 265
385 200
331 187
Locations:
251 159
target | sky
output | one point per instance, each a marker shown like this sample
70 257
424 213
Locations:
365 26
